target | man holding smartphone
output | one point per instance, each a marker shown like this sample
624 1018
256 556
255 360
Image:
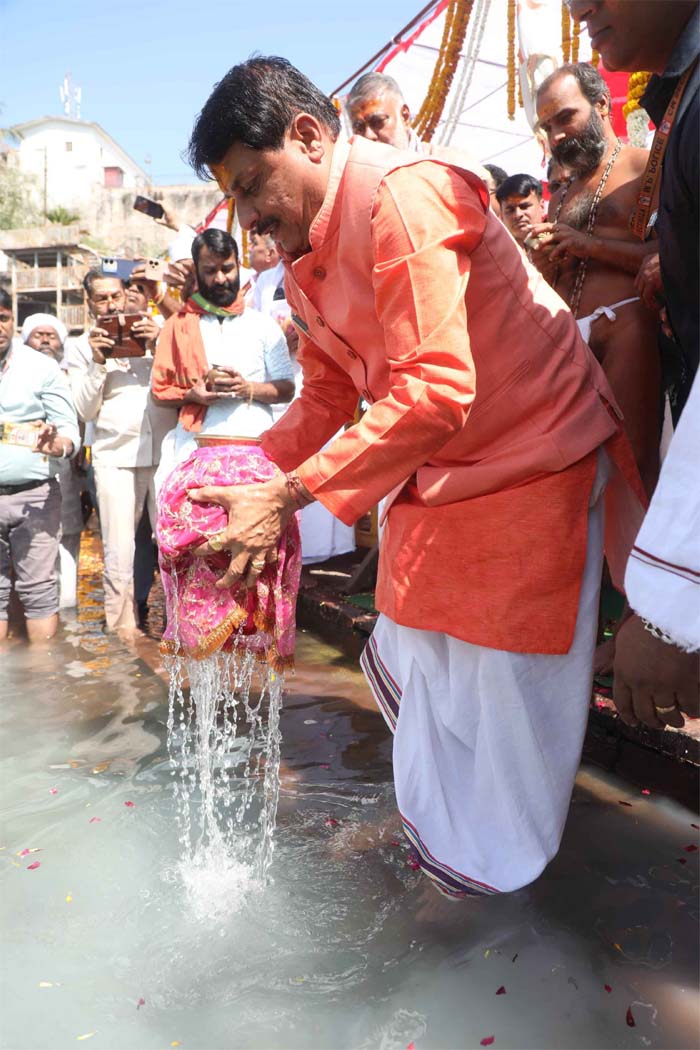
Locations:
113 393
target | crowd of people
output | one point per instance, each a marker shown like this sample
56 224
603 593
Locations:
525 357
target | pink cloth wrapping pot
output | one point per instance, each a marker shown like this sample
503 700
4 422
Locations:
202 619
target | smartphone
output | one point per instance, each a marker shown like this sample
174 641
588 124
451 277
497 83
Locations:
149 207
120 268
118 327
19 434
154 269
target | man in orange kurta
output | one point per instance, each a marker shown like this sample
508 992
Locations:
491 430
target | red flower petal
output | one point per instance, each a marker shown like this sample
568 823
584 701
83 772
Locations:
140 1003
32 867
53 791
646 791
607 988
631 1023
411 1046
95 820
331 822
681 860
489 1040
414 865
690 849
501 990
621 803
394 843
130 804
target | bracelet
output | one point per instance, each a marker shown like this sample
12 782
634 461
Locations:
656 632
294 489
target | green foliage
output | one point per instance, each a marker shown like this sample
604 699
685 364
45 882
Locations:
62 216
17 208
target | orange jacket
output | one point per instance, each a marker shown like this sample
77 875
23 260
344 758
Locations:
486 405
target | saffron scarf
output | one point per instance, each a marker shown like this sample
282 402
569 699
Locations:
180 359
202 619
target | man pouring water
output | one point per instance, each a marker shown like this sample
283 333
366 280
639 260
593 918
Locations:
490 428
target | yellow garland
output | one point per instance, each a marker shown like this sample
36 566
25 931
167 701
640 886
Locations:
454 32
426 109
575 42
636 86
565 33
231 213
595 58
511 60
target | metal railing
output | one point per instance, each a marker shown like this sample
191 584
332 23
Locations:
73 316
48 277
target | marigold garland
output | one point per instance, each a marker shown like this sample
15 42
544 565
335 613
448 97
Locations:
454 32
575 41
511 60
595 58
636 86
565 33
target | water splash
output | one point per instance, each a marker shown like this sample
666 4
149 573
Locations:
224 749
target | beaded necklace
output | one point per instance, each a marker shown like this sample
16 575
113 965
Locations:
582 267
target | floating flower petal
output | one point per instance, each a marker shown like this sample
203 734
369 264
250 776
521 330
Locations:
608 988
631 1023
488 1041
130 804
501 990
32 867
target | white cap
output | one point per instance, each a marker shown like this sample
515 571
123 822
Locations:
44 321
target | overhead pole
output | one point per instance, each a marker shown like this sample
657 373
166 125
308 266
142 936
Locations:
394 40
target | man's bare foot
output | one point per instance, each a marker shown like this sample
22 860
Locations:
359 838
437 909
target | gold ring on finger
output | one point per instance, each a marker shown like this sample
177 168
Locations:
216 543
666 710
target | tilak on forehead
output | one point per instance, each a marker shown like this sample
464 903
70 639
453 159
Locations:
369 107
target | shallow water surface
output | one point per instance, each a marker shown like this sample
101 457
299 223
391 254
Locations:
105 942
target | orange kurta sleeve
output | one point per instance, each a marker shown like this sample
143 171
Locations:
425 223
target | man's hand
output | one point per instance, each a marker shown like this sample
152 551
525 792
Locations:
181 275
49 443
225 380
648 282
138 276
100 343
564 240
170 219
199 394
655 683
146 329
257 515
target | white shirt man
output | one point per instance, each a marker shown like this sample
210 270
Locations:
114 394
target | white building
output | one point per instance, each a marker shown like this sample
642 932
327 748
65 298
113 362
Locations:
71 161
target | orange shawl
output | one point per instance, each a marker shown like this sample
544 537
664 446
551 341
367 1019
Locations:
180 360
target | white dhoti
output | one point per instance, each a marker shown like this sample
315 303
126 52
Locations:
486 742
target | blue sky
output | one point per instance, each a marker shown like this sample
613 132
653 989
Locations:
146 67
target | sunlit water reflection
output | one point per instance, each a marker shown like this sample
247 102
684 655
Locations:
345 948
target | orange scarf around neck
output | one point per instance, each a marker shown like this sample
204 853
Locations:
180 359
